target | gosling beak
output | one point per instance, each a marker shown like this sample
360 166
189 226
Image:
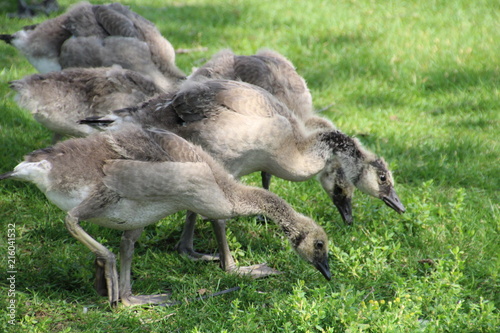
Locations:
344 206
393 201
324 268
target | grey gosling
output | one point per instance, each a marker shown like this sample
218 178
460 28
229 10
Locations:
247 129
267 69
59 99
99 36
133 177
275 73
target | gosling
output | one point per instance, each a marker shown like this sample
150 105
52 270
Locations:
59 99
133 177
272 71
99 36
247 129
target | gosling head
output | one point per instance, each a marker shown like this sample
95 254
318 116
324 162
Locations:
311 243
338 188
375 179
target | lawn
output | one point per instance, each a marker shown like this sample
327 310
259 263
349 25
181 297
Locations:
416 81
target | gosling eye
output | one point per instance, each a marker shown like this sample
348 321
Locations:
383 178
319 245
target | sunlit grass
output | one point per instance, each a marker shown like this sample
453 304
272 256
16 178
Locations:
418 83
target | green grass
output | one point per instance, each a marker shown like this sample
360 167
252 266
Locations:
417 81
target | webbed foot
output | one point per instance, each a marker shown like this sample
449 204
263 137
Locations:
130 300
107 280
255 271
193 255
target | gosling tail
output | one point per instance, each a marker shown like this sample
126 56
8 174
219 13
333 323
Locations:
6 38
96 121
6 175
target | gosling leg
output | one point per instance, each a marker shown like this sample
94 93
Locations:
56 137
266 180
227 261
104 258
185 244
266 183
127 246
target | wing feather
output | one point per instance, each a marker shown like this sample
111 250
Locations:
157 180
200 100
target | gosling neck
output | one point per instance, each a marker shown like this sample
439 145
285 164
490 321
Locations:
253 201
348 150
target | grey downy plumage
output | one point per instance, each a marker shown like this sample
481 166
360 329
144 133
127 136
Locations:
59 99
99 36
133 177
247 129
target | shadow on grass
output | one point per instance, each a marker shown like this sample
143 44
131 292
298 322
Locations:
178 23
460 78
453 161
193 24
351 57
13 147
478 124
7 7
